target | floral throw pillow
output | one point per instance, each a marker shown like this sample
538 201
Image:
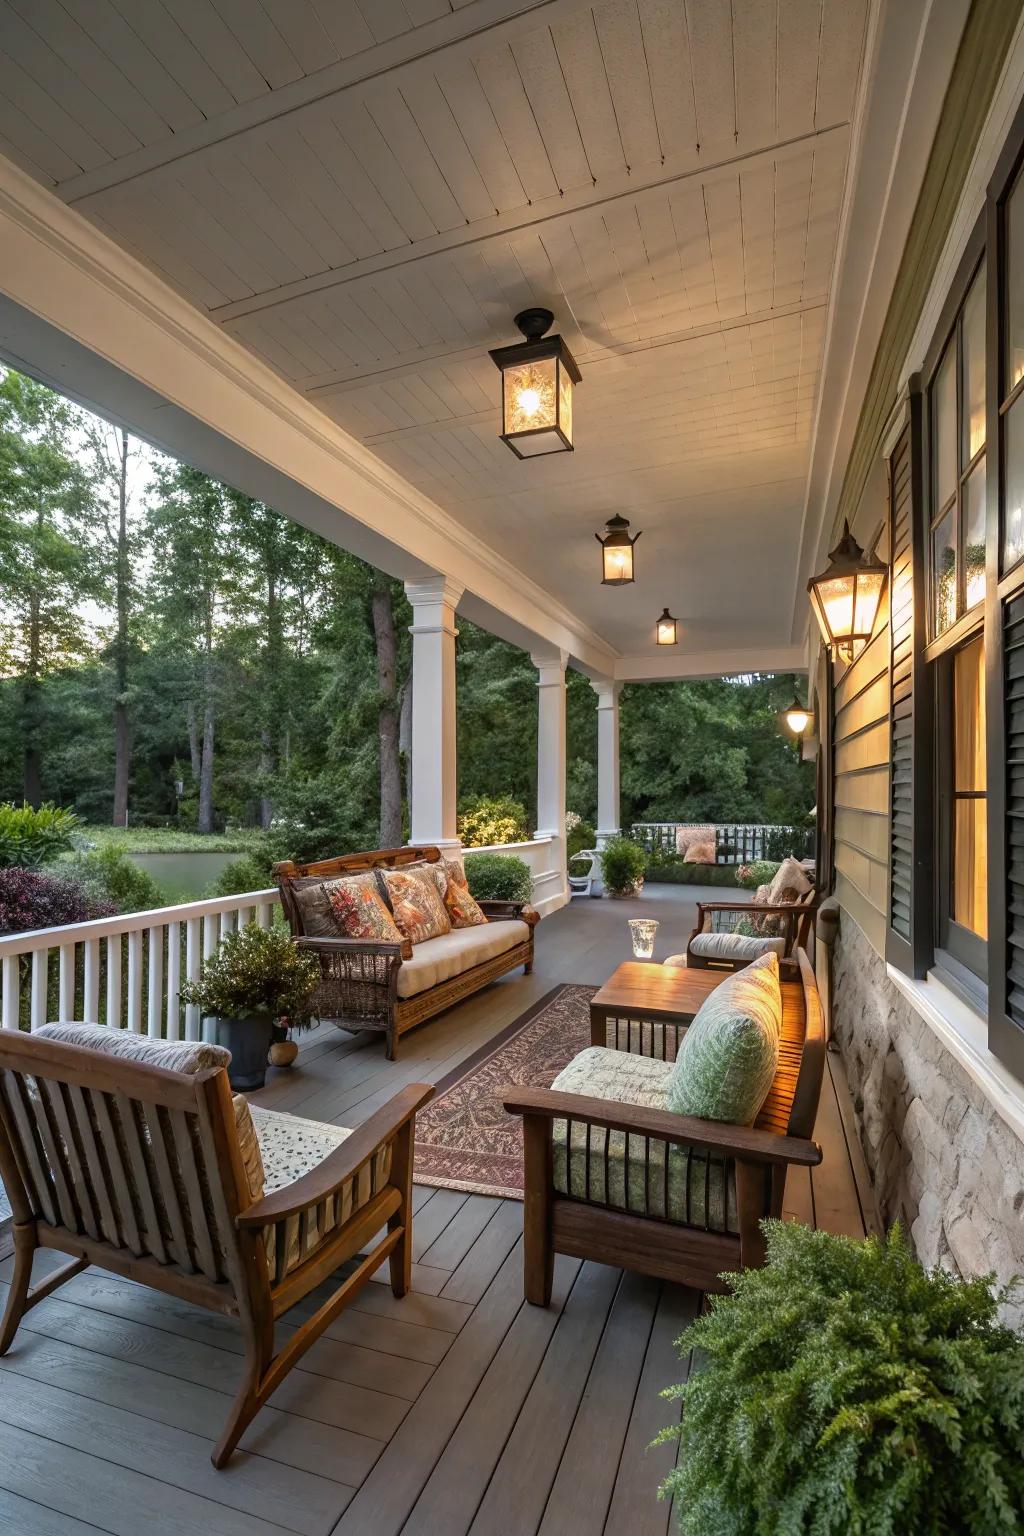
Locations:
462 910
360 911
416 902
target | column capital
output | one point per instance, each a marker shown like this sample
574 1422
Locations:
607 690
551 667
433 600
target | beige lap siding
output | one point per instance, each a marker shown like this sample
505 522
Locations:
451 954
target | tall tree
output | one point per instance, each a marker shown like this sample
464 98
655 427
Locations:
47 570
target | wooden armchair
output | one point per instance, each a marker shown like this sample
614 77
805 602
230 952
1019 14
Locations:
730 934
140 1170
646 1189
362 984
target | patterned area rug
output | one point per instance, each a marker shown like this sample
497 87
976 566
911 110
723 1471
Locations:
464 1138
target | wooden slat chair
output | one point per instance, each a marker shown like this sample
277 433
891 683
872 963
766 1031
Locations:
140 1170
634 1185
722 940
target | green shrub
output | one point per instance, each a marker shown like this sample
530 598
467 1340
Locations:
485 820
250 872
844 1391
670 869
578 836
110 875
30 838
498 877
256 971
783 841
622 864
761 872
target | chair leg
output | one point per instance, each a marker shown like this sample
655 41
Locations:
538 1250
400 1260
259 1350
17 1296
391 1041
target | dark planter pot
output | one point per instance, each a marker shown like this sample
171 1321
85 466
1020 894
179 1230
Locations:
248 1040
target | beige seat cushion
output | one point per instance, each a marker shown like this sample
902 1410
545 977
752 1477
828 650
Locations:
628 1173
173 1055
290 1146
734 946
440 959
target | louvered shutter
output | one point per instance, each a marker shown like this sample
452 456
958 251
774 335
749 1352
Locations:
908 939
1006 838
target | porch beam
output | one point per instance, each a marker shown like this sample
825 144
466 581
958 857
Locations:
434 789
607 692
551 764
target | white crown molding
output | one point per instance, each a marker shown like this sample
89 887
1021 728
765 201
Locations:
734 662
60 268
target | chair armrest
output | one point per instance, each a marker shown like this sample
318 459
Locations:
355 947
740 1141
341 1164
516 909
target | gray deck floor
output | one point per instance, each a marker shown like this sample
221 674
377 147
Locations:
456 1410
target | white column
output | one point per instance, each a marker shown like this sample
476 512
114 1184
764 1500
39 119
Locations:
553 890
434 787
607 758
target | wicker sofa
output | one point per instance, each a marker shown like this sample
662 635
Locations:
388 987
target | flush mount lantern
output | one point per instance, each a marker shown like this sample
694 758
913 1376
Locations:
537 379
797 717
846 597
667 627
616 552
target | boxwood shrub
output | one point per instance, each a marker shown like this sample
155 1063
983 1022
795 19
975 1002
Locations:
498 877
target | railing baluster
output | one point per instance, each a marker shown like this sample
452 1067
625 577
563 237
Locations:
173 981
66 982
91 985
244 916
155 983
265 913
10 1016
114 981
192 963
37 1008
135 981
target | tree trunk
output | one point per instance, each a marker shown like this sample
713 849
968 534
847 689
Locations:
193 739
205 821
388 715
268 762
272 691
122 724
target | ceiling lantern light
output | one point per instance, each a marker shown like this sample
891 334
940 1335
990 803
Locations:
846 597
797 716
537 379
616 552
667 628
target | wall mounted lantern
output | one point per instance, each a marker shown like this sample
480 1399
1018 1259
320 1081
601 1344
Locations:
537 379
846 597
797 716
616 552
667 628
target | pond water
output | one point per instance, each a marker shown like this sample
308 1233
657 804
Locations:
183 876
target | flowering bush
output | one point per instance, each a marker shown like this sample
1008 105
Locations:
30 899
29 838
256 971
485 820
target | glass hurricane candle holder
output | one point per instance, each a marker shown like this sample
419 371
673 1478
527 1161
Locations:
642 931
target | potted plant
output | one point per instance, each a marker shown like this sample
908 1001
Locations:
257 980
622 866
843 1389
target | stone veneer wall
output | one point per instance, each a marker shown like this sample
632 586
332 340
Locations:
943 1162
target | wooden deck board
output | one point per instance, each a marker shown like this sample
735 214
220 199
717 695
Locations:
457 1411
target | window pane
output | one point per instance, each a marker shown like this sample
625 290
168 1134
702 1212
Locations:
972 386
974 535
1013 497
944 572
969 718
970 837
1014 287
944 428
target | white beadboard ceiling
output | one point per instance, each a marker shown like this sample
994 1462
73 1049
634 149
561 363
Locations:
364 192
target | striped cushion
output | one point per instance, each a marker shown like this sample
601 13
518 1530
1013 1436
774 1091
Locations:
734 946
728 1058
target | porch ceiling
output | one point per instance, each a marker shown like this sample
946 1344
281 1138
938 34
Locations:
364 192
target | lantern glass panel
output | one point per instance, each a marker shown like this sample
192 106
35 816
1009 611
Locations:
868 597
618 563
666 631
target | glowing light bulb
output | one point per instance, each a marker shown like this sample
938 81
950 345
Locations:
529 401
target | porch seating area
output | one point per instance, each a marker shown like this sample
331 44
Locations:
458 1409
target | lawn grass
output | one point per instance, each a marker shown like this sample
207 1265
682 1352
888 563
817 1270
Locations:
169 839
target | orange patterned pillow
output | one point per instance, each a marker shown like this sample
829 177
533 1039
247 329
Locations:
416 902
360 911
462 910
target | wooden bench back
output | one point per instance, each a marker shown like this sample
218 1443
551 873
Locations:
129 1159
287 872
791 1107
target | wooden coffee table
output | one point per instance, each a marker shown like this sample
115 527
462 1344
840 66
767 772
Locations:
646 1007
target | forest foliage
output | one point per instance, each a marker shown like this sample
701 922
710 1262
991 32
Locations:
176 653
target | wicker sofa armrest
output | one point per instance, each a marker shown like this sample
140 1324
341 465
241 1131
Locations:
510 909
342 947
748 1143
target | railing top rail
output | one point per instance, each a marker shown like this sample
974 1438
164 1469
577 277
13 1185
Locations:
129 922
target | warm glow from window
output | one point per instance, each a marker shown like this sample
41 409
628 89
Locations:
970 806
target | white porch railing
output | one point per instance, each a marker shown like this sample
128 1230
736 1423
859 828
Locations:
738 842
124 971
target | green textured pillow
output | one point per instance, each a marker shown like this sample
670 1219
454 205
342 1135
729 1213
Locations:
730 1052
